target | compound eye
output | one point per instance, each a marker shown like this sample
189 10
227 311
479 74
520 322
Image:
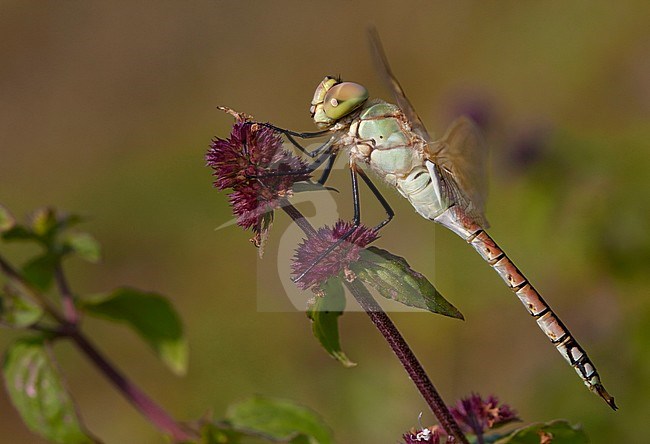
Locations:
344 98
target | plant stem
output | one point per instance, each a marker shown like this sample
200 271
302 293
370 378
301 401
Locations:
14 276
405 355
69 328
395 340
67 299
297 217
152 411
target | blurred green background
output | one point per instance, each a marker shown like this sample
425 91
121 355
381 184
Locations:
107 109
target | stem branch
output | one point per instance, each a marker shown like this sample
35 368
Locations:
405 355
69 328
14 276
67 299
152 411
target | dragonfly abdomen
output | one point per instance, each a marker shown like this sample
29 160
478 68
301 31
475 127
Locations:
546 318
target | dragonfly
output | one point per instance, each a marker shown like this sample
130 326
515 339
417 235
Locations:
444 179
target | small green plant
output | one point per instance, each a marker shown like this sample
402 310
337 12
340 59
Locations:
37 299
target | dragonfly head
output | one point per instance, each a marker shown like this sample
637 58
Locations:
334 100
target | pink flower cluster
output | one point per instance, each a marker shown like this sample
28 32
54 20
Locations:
338 260
251 162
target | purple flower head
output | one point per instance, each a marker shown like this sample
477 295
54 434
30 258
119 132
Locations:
248 162
477 415
431 435
336 261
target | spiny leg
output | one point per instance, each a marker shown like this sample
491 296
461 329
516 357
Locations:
356 221
389 211
310 169
328 168
304 135
291 134
313 153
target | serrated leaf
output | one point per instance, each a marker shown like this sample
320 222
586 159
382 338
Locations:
85 245
40 271
151 315
279 420
560 431
394 279
38 393
17 312
324 312
7 220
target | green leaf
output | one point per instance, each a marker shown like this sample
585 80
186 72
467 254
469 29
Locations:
218 433
85 245
394 279
40 271
560 431
151 315
39 394
47 220
324 312
17 312
44 222
19 233
7 220
279 420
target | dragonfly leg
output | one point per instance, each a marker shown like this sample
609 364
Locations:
310 169
313 153
356 221
291 134
328 168
305 135
389 211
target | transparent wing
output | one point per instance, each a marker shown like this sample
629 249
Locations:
462 155
391 82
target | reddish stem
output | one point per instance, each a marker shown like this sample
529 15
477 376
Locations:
395 340
69 328
152 411
408 359
67 299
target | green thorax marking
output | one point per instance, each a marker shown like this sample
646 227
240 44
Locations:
382 128
381 123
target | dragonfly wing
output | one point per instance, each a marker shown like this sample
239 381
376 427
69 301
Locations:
461 153
462 156
403 102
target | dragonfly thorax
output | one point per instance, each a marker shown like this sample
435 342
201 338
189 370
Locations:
382 138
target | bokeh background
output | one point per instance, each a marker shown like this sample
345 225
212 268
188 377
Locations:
107 109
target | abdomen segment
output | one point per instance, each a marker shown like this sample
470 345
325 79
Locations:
546 318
